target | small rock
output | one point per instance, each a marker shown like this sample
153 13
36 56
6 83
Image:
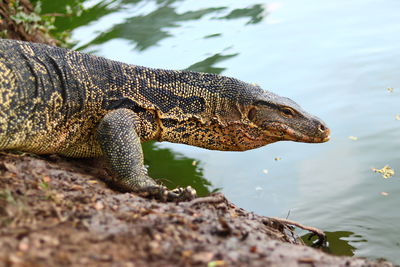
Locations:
99 205
24 244
203 257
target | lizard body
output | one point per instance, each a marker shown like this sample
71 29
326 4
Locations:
54 100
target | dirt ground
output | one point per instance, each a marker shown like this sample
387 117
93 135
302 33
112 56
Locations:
57 212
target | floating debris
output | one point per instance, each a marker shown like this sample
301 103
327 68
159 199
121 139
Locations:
265 171
354 138
390 89
386 171
194 163
398 117
384 194
259 188
277 158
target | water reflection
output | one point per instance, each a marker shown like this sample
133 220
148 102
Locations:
174 170
70 14
145 30
148 30
338 242
255 13
207 65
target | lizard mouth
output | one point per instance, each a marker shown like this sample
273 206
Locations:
284 132
293 135
277 132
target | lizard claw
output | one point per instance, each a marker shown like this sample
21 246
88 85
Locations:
182 194
163 194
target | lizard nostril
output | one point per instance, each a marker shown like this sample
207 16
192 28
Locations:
321 128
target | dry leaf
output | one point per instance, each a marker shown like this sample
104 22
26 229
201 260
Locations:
386 171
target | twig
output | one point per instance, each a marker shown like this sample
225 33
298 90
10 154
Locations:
321 235
215 199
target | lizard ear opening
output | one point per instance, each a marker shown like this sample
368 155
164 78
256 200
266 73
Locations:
252 113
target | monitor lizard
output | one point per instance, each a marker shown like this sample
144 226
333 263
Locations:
59 101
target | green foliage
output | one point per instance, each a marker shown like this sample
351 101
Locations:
3 34
71 14
45 19
33 21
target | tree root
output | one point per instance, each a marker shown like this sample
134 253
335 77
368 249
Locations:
214 199
321 242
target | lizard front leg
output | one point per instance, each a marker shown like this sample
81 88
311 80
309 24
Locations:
118 135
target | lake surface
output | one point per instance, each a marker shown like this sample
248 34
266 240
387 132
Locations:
337 59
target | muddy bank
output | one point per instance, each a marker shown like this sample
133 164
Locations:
56 211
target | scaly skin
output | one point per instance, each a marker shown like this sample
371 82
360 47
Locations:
60 101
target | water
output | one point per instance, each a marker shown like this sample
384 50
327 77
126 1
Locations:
335 58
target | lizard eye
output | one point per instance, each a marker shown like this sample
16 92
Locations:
287 112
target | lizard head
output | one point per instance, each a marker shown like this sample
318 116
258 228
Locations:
223 113
268 118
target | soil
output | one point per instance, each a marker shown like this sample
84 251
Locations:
56 211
